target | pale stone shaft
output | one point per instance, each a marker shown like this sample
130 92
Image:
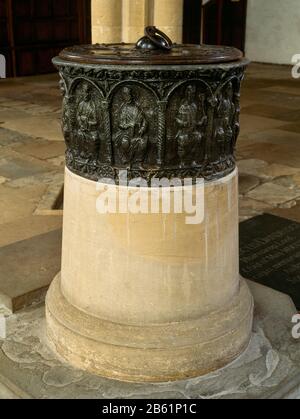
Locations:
135 19
124 20
149 268
148 297
168 17
106 21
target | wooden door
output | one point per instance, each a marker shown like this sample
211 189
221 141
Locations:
192 21
224 22
34 31
5 37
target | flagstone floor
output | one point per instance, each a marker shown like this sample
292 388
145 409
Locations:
269 145
32 152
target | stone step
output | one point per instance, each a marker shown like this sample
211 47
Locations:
27 269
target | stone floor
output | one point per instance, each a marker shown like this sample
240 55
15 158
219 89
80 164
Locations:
31 181
269 144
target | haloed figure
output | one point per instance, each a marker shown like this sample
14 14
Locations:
224 130
131 140
87 122
188 136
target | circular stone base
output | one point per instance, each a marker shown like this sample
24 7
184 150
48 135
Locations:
151 352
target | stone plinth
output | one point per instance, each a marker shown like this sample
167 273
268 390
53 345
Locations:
147 297
27 268
269 369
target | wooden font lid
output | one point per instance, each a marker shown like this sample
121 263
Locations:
154 48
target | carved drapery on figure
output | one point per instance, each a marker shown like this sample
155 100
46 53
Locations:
130 138
155 122
88 132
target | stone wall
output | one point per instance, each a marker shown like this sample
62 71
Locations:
273 33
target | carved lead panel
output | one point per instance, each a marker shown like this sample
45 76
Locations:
162 123
134 122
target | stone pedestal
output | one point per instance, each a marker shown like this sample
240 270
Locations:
147 297
149 294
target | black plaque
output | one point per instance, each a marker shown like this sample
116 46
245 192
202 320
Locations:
270 253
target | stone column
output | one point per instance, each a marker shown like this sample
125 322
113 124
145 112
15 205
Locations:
147 297
106 21
135 19
168 17
117 20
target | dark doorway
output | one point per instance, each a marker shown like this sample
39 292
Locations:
224 23
33 31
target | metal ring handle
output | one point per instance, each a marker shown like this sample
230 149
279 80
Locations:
158 38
